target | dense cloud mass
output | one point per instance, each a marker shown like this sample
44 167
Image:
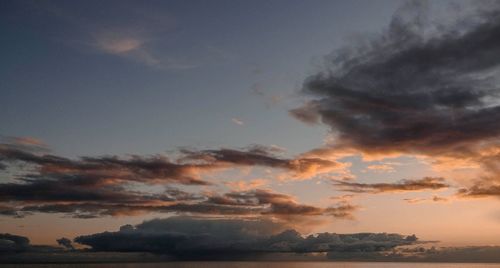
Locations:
412 91
419 88
427 183
188 237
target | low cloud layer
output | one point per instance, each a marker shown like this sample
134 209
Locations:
202 238
13 243
106 186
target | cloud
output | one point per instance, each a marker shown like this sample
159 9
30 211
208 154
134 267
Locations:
90 187
470 254
119 45
434 199
105 169
130 31
65 242
300 167
420 88
255 203
479 190
412 89
10 243
219 238
237 121
160 168
427 183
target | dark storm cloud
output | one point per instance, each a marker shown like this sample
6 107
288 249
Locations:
412 90
214 238
427 183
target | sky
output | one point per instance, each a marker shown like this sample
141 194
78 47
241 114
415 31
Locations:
314 116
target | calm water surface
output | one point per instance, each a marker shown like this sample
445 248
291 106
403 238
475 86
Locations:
258 265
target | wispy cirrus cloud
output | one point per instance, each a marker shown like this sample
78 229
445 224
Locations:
127 30
237 121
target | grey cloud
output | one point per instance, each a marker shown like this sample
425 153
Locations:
65 242
13 243
412 91
216 238
80 201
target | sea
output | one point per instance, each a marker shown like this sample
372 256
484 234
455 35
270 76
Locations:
258 265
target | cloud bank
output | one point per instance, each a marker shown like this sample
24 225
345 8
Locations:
89 187
216 238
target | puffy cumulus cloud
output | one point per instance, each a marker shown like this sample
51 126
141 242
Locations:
216 238
412 90
427 183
